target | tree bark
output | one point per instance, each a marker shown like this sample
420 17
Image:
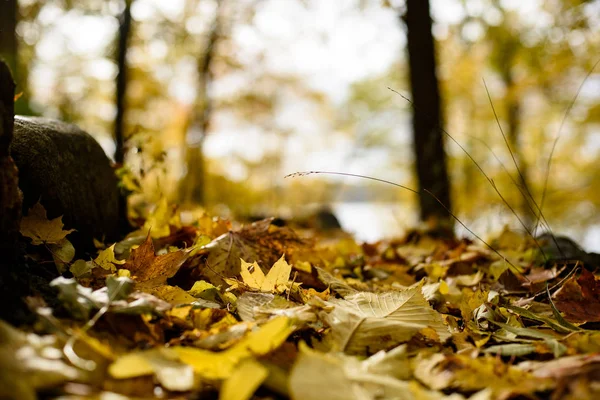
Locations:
427 116
10 197
8 35
121 86
121 92
193 184
513 116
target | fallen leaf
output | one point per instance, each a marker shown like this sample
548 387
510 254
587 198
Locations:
251 274
150 270
159 221
164 363
367 322
30 362
277 278
256 242
244 381
443 372
275 281
221 365
579 298
106 259
36 226
62 253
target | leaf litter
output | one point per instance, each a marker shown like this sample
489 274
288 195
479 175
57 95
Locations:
187 310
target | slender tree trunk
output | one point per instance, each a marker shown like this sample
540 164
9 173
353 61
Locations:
8 35
427 116
193 185
121 87
121 92
513 116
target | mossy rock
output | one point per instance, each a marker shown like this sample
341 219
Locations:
67 170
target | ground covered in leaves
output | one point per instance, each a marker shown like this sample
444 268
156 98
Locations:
215 309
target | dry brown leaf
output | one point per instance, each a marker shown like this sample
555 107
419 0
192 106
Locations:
579 298
256 242
150 270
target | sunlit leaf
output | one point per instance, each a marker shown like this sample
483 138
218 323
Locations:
466 373
163 363
251 274
370 321
150 270
159 221
221 365
258 242
244 381
277 277
172 294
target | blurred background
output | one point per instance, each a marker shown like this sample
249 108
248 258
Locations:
212 103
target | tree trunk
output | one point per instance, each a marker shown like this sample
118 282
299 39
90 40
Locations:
124 33
193 184
513 116
121 92
8 35
10 197
427 119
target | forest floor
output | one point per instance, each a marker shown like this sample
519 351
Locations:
216 309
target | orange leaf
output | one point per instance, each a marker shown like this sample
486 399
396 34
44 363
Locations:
151 270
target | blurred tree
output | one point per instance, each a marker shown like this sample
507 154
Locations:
427 115
505 46
8 35
121 91
10 51
121 86
533 63
193 184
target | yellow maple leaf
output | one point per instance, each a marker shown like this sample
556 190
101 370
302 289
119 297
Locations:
252 275
39 229
106 259
276 279
160 220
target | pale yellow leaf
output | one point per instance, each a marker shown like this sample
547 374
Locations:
131 365
159 221
106 259
162 362
221 365
252 275
277 277
244 381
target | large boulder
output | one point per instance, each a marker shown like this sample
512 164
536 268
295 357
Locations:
67 170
